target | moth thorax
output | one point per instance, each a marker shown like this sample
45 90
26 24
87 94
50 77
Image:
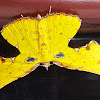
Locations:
46 65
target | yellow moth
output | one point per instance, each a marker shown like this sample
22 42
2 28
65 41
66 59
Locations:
45 40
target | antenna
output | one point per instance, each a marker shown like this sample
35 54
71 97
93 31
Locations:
21 15
50 10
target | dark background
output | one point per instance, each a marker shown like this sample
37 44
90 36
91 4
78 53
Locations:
57 83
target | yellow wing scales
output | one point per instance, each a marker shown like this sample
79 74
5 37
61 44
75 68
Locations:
19 34
56 31
44 40
12 70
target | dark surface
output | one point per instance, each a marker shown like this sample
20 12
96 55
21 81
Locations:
55 84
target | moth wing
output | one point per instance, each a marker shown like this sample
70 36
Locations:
55 31
88 58
23 33
11 70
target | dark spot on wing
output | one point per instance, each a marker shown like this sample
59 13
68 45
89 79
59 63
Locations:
59 55
87 48
2 60
98 62
30 59
43 44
